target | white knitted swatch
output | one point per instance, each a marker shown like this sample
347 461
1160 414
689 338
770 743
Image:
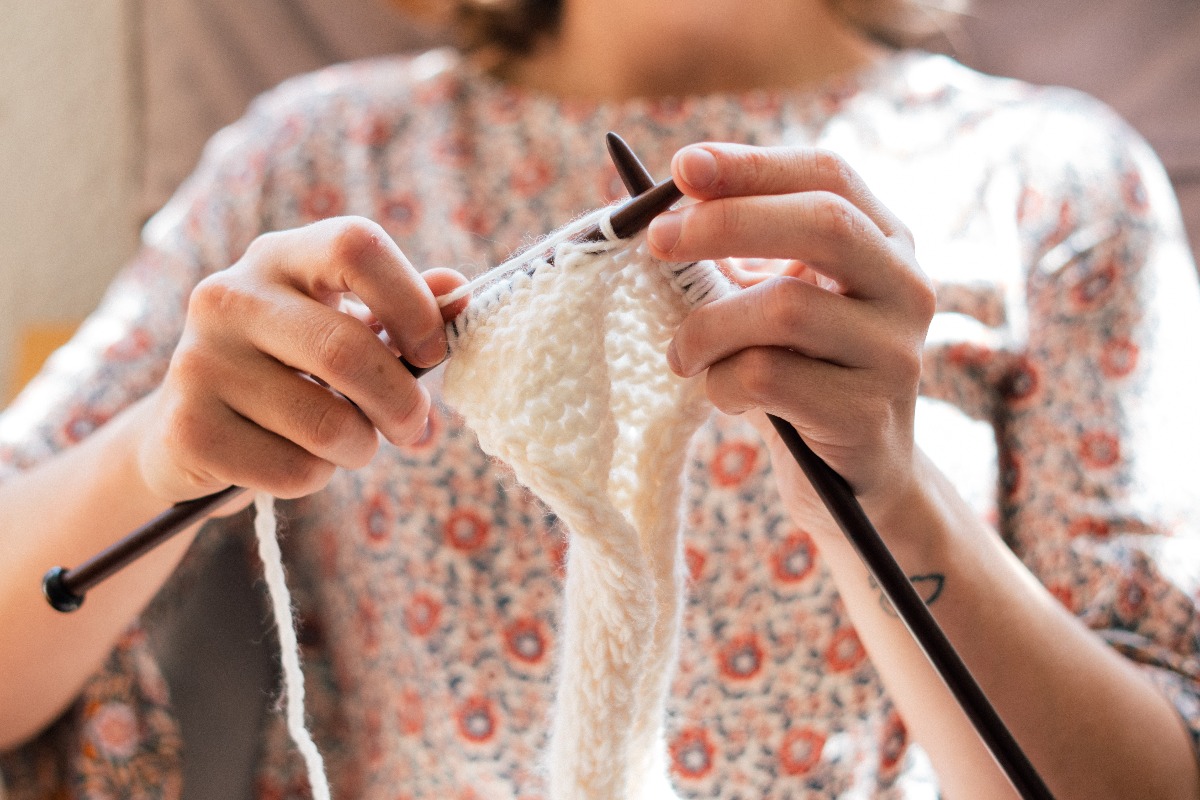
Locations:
561 371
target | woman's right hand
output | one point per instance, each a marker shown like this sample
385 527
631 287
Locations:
239 404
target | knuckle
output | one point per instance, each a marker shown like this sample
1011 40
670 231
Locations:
830 170
781 304
186 432
194 370
834 219
335 348
905 235
925 297
301 476
729 220
217 297
262 248
761 165
330 426
357 241
754 370
407 421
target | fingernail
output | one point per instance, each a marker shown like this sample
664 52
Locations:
664 231
673 359
432 349
698 167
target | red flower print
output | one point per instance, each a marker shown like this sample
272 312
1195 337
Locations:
113 730
410 713
526 641
845 651
692 754
367 622
800 751
530 176
966 354
321 202
1022 382
476 720
1119 358
1094 286
453 151
895 741
733 463
1064 594
557 550
475 220
609 187
133 346
433 427
1066 221
1134 191
465 529
742 658
422 614
1099 449
400 213
438 91
327 552
505 107
694 558
1010 473
1131 599
1088 526
762 104
377 520
669 109
80 424
794 558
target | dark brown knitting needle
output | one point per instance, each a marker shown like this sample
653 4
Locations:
839 499
65 589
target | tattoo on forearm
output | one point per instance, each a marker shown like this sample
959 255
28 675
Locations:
929 588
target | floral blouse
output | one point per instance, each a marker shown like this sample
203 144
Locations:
1055 394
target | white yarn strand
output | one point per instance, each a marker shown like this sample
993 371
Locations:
530 254
289 648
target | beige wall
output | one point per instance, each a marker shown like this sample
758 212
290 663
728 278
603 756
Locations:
67 159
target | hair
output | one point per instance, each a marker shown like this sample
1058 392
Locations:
514 27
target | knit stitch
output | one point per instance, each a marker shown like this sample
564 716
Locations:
560 369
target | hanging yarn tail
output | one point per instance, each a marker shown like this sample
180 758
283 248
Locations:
289 648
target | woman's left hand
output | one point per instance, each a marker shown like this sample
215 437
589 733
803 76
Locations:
831 342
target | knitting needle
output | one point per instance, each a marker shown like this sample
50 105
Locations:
65 589
839 499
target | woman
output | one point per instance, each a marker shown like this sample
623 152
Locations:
427 586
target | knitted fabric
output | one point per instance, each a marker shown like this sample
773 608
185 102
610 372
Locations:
560 369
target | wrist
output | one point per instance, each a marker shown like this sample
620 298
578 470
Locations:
912 517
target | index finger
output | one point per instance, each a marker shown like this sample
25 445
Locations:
710 170
352 254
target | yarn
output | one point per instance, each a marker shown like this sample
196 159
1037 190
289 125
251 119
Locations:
289 648
560 369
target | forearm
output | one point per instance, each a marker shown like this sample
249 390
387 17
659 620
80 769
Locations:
60 514
1091 723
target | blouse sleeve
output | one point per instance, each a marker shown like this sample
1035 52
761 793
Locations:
1097 427
120 738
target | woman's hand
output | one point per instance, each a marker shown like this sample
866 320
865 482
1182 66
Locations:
238 405
832 340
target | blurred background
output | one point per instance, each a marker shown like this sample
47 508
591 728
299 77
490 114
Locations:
105 105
